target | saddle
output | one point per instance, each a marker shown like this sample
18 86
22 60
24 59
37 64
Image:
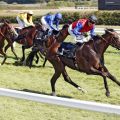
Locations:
67 49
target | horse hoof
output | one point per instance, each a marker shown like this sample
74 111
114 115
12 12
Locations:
53 94
24 62
36 61
83 90
107 94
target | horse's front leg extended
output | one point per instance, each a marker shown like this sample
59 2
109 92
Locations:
67 79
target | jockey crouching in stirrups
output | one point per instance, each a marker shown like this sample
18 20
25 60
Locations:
50 23
24 20
78 28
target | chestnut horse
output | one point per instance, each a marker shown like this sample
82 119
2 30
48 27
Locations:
43 45
87 60
6 33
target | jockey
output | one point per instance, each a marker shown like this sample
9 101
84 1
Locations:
78 28
51 22
25 19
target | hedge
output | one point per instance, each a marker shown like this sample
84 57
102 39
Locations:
104 17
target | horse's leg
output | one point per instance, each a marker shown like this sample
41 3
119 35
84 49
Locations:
23 51
105 79
41 55
110 76
67 79
12 49
53 81
106 87
44 62
58 67
37 58
5 56
105 73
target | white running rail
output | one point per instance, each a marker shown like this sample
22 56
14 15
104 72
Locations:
86 105
101 30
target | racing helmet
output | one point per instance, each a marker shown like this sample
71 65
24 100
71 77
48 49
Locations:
58 16
30 12
93 19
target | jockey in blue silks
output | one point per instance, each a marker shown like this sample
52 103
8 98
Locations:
51 22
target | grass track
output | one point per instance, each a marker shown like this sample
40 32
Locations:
37 80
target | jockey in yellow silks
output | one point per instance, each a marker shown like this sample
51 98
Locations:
25 19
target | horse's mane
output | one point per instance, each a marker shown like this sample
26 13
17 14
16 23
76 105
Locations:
110 29
65 26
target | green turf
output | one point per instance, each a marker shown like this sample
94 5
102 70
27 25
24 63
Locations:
37 80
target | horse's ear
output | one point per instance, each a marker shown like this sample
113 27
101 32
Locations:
110 31
69 21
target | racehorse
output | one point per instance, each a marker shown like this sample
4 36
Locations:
87 60
28 34
5 33
46 44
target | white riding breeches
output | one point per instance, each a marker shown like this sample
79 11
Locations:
20 22
80 38
44 24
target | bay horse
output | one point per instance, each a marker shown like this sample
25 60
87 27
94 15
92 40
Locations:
44 45
5 34
28 35
87 60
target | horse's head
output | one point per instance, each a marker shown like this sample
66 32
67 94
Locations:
8 29
63 33
114 38
64 29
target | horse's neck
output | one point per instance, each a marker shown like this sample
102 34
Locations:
101 45
61 37
3 29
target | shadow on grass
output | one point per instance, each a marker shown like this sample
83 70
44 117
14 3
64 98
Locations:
19 63
43 93
9 57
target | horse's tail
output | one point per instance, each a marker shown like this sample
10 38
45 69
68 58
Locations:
30 57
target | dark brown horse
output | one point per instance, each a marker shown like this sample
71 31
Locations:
87 60
5 33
